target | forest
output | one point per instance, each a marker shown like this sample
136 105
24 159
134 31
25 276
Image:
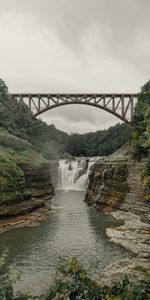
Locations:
54 143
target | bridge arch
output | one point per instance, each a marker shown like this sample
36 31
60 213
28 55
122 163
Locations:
90 104
120 105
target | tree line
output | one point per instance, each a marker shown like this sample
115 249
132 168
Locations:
54 143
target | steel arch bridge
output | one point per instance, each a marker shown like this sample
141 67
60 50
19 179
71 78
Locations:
120 105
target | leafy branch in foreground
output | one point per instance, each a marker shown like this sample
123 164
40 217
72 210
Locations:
73 283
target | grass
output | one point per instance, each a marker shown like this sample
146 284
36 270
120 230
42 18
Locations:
13 153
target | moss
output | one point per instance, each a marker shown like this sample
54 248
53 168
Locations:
121 173
14 152
18 150
115 178
140 142
146 181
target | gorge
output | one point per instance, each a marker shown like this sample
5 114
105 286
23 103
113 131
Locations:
63 202
75 229
72 229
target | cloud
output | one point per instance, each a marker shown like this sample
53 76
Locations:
79 118
75 46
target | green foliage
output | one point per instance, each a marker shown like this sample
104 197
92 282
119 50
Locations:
45 138
121 172
141 134
73 283
11 179
147 169
99 143
146 181
14 152
53 143
141 124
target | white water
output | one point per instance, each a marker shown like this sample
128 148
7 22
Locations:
73 174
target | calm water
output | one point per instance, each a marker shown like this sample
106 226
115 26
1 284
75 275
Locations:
73 229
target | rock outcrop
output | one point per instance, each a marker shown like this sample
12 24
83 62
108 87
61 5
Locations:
134 201
108 183
123 196
116 182
36 191
25 180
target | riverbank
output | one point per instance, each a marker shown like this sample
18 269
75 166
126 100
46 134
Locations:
120 235
134 236
31 219
134 269
124 201
72 229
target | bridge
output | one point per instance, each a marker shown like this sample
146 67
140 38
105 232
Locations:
120 105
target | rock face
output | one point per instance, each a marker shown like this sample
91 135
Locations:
133 235
116 182
108 183
134 201
37 191
137 268
123 196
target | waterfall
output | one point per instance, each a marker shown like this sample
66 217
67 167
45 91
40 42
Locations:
73 174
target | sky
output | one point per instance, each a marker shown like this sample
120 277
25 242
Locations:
75 46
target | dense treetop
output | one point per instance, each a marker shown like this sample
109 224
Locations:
45 138
141 123
99 143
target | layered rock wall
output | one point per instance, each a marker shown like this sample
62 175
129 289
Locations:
116 182
124 196
108 183
37 190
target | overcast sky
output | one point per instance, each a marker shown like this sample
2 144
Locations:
75 46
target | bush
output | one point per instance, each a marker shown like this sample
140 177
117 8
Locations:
141 124
73 283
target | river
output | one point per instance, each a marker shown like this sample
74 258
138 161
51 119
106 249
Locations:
73 229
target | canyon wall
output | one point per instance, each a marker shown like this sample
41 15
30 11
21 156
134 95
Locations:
25 179
116 182
35 192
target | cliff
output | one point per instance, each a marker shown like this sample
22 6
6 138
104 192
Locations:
116 185
116 182
25 181
108 183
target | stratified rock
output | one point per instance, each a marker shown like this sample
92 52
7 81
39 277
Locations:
37 187
109 190
136 268
108 183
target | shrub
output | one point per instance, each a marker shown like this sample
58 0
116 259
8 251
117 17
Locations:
73 283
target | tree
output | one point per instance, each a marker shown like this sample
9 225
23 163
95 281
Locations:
141 124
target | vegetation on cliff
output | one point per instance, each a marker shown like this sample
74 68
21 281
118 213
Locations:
141 124
45 138
53 143
141 134
13 153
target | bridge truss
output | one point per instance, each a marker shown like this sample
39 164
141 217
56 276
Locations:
120 105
